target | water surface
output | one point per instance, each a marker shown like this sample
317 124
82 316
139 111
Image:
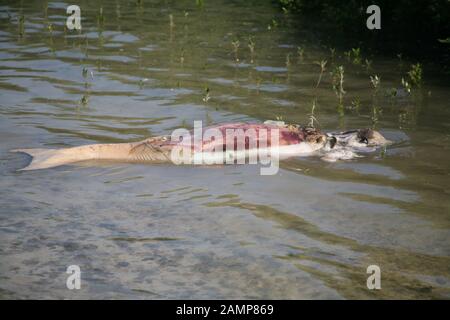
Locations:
157 232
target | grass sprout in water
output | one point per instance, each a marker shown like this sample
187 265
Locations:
406 85
354 55
368 65
21 25
251 46
322 64
301 53
375 80
356 105
273 24
206 96
200 3
332 53
171 23
376 111
338 83
288 60
101 17
84 100
415 75
182 56
235 44
311 116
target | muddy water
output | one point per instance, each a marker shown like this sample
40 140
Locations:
146 232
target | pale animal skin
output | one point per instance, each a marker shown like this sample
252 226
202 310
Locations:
293 141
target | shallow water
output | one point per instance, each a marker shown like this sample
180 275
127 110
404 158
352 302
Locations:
141 231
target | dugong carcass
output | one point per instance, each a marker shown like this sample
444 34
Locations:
290 140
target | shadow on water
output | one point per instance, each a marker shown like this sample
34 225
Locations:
400 268
433 203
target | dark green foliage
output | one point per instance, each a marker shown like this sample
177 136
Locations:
413 27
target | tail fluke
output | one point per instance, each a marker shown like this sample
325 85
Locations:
46 158
49 158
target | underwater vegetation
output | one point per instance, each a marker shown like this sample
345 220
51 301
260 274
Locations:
336 66
419 29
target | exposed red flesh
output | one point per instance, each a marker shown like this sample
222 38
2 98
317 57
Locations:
263 139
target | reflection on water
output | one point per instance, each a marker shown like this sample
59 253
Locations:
163 231
349 280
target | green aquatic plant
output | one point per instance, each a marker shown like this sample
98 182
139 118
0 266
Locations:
368 65
258 83
356 104
301 53
322 64
407 117
273 24
84 100
50 28
391 93
86 72
376 113
101 38
46 10
235 44
354 55
341 113
409 24
337 77
101 17
415 75
182 56
400 61
375 80
288 60
206 95
171 23
21 25
142 82
251 46
406 85
312 118
279 118
332 53
200 3
348 54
